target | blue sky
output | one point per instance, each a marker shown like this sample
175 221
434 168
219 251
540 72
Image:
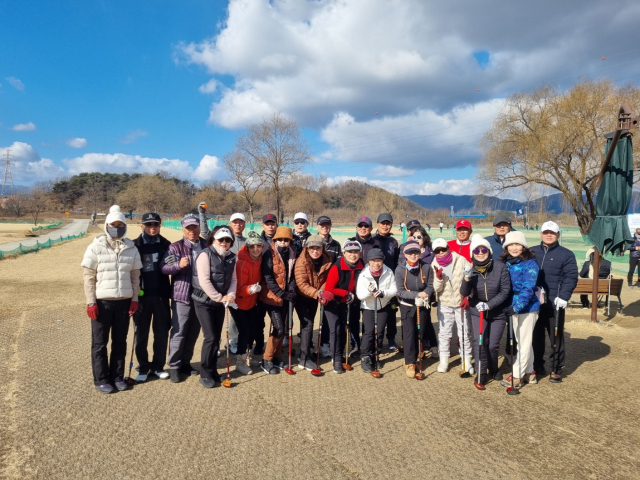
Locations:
384 89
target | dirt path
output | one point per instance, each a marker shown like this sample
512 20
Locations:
74 228
54 425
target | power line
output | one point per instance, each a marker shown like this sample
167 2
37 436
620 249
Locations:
7 174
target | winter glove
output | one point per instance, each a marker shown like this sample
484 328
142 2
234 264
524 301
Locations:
254 288
202 207
326 296
427 304
133 308
322 300
509 311
233 305
170 260
289 297
467 271
439 273
464 304
350 298
419 302
482 307
560 303
92 311
371 287
378 294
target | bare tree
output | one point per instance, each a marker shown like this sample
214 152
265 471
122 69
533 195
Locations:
244 171
38 199
150 193
15 205
277 149
555 139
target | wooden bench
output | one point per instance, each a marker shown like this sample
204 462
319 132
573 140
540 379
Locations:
606 286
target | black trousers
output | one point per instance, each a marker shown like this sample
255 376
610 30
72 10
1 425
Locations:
487 355
306 308
279 319
113 318
249 328
354 327
211 318
258 349
368 328
634 263
546 321
392 327
152 311
409 317
338 314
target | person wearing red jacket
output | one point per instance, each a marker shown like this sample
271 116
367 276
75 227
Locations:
338 298
462 243
247 316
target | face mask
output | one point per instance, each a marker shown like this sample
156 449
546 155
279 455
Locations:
116 232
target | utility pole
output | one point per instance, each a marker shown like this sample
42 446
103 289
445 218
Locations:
8 178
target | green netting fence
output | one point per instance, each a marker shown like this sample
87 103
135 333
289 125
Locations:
45 227
23 249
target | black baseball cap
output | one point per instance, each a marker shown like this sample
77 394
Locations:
323 219
365 220
385 217
269 217
151 217
501 219
413 223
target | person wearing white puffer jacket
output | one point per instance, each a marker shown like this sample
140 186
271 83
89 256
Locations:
111 285
448 273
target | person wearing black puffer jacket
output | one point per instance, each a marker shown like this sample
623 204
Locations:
488 286
558 278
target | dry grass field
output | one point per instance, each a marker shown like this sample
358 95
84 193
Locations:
54 425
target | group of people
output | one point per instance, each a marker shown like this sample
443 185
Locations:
210 278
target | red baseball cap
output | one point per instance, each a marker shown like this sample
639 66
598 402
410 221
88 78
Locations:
463 223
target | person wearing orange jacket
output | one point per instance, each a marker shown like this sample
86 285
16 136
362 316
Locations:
246 316
311 271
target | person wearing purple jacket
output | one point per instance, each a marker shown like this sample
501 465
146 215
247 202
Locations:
179 262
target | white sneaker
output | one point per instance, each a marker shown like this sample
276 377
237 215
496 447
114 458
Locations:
161 374
444 364
141 378
325 351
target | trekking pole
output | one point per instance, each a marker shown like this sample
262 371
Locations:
316 372
227 381
478 383
346 365
375 373
512 390
289 370
129 380
419 374
463 373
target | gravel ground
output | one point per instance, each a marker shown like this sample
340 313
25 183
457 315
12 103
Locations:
53 424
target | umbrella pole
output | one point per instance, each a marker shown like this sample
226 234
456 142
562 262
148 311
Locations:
594 288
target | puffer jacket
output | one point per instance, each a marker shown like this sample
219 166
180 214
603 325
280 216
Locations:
633 253
558 271
248 273
308 281
113 268
181 277
524 275
411 282
389 247
493 288
276 276
299 241
386 282
333 248
448 289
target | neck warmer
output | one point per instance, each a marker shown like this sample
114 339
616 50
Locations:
412 266
222 253
376 274
150 239
446 260
511 259
482 267
350 265
317 264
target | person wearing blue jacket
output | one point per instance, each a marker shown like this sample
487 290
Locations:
634 258
558 278
523 271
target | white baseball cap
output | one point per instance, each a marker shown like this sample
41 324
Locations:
223 233
237 216
553 226
301 215
439 243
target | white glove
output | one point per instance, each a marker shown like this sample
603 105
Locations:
233 305
371 287
467 270
419 302
560 303
201 207
255 288
482 307
427 303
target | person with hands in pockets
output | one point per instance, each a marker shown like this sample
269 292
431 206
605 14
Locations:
376 287
111 277
414 282
488 286
338 298
448 268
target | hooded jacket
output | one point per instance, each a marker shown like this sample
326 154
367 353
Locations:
558 271
410 282
386 282
248 273
448 289
493 288
308 280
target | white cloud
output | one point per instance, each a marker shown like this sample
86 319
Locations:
133 136
15 83
208 169
405 188
24 127
27 166
210 86
390 171
77 142
121 162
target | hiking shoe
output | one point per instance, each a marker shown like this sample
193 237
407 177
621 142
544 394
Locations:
392 345
308 365
189 370
279 363
555 378
161 374
233 348
267 366
121 385
141 378
325 351
497 375
207 382
366 365
517 382
242 365
410 370
337 368
175 375
530 378
434 352
105 388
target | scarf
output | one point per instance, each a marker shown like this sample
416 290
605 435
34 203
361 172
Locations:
512 260
376 274
482 267
412 267
350 265
446 260
150 239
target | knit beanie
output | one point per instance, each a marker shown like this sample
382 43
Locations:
115 215
515 237
478 241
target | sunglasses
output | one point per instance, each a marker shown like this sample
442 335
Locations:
412 252
283 240
417 237
300 222
440 250
480 250
224 240
152 224
255 246
363 225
